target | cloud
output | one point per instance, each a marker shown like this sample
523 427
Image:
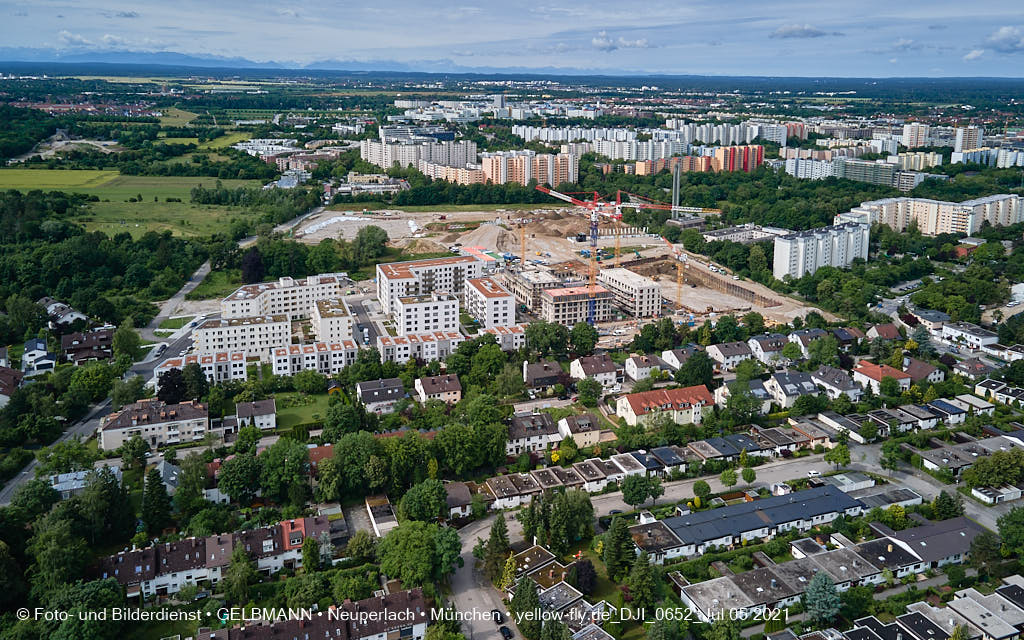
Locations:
937 27
21 14
69 39
1007 40
288 13
973 54
113 41
604 42
126 14
801 31
904 44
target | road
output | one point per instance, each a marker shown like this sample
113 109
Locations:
168 306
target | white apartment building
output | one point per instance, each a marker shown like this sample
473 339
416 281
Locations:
436 345
419 277
327 358
437 311
256 335
808 169
966 333
331 320
934 217
157 423
502 167
633 150
571 305
511 338
801 253
489 303
571 134
294 298
217 366
968 138
635 294
915 134
387 154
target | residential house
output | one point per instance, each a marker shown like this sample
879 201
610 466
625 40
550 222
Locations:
672 458
157 423
36 359
459 499
640 367
585 429
60 313
71 484
380 396
938 543
815 434
847 337
785 387
513 490
968 335
169 474
683 406
767 348
530 432
261 414
919 371
931 319
10 380
972 405
445 387
869 374
676 358
778 442
885 331
804 338
973 369
81 347
543 375
836 382
599 367
729 354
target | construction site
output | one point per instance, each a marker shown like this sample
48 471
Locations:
573 243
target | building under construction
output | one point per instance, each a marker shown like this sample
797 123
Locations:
636 295
571 305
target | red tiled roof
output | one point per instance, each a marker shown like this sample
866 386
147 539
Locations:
662 399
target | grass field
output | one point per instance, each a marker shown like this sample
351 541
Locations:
374 206
179 140
46 179
176 323
290 416
216 285
225 140
174 117
138 218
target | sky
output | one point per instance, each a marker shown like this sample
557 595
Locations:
875 38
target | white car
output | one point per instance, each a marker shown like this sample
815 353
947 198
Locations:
813 474
1012 304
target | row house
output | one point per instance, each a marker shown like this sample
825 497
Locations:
425 347
683 406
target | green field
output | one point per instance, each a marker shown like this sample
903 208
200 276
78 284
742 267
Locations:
179 140
138 218
54 179
374 206
216 285
225 140
176 323
174 117
290 416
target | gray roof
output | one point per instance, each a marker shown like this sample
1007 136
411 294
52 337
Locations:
257 408
168 473
795 383
938 540
382 390
732 348
833 377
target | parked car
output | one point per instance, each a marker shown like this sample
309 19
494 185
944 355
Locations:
497 615
506 633
813 474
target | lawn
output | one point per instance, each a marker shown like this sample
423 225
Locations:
288 417
179 140
454 208
176 323
174 117
50 179
138 218
225 140
217 284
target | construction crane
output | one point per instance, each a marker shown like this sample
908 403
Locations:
634 201
522 245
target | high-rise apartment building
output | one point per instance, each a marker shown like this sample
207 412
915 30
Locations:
436 311
571 305
804 252
449 153
491 304
968 138
635 294
292 297
883 173
743 158
502 167
934 217
331 320
256 335
915 134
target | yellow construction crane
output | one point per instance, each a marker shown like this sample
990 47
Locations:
522 246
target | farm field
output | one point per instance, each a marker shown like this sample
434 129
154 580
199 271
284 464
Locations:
46 179
177 117
138 218
225 140
109 184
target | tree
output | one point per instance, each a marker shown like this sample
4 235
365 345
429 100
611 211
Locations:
508 573
310 381
956 575
427 500
105 507
126 340
34 498
728 478
133 452
701 489
643 588
583 339
252 266
125 392
869 430
945 506
584 576
618 551
570 519
888 386
156 504
310 554
241 572
189 498
985 550
959 633
362 546
172 388
416 552
838 455
589 391
240 477
497 548
723 629
57 554
525 602
698 369
792 351
856 602
821 599
283 469
12 587
554 629
369 244
510 381
196 383
636 489
749 475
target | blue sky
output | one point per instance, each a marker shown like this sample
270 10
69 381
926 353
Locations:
723 37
